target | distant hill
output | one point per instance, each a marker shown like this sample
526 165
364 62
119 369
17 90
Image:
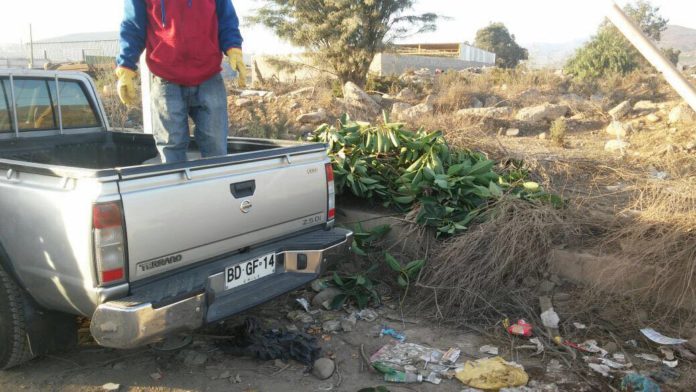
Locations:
682 38
555 55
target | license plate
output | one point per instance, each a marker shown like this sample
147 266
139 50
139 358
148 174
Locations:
249 271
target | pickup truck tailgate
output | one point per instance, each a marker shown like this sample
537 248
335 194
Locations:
179 218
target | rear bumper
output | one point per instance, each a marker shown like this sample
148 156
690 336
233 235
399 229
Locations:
192 298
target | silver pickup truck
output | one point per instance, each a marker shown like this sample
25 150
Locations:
92 223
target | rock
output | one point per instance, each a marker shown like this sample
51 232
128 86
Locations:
616 146
498 113
512 132
399 108
690 146
406 94
111 387
545 112
621 110
324 298
531 97
477 104
156 376
243 102
317 117
611 347
617 129
194 358
491 102
323 368
682 114
543 136
358 99
331 326
646 106
653 118
431 100
377 98
576 102
416 111
546 286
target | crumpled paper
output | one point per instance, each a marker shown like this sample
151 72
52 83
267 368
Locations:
492 373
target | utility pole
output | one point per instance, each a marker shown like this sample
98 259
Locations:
31 48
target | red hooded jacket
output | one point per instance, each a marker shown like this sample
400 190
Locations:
185 39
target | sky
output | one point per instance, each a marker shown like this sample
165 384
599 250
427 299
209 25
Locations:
532 21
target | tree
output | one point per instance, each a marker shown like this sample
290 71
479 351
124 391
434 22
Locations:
497 39
609 52
344 35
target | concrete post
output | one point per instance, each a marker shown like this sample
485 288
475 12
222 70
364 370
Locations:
652 53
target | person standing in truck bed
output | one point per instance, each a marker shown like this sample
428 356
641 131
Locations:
185 40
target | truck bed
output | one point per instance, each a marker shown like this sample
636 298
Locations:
105 150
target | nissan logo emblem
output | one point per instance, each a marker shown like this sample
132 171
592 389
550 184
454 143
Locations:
246 206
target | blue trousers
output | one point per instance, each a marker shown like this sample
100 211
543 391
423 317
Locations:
173 104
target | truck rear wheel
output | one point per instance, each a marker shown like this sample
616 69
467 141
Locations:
14 341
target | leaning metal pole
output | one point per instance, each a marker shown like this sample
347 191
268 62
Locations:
652 53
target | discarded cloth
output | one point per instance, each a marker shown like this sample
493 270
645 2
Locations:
492 373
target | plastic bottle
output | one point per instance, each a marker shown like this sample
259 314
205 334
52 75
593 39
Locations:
403 378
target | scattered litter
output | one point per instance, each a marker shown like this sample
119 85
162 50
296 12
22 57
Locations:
402 354
550 319
649 357
685 353
492 373
320 284
580 326
349 322
267 344
156 376
660 338
403 377
491 350
668 353
521 328
304 303
368 315
237 379
619 357
604 370
632 343
671 364
392 332
635 382
433 378
452 355
330 326
110 387
665 374
615 365
591 346
303 317
539 345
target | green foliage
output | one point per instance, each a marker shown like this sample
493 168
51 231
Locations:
343 34
416 170
558 131
497 39
405 274
363 239
609 52
358 289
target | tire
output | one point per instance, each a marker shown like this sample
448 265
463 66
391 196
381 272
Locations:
14 342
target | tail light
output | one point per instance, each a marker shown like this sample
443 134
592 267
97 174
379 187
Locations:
331 190
109 243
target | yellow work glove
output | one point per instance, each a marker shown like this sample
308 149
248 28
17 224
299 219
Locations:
236 60
126 86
